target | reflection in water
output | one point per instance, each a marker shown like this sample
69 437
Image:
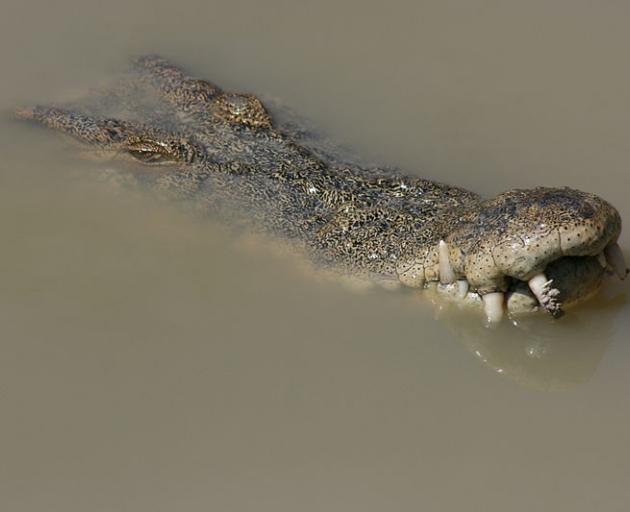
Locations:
537 351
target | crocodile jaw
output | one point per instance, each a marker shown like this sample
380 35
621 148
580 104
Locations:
576 279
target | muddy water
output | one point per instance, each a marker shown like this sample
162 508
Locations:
149 361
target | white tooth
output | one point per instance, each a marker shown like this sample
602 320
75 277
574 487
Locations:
615 259
538 285
493 304
546 295
462 288
602 260
447 274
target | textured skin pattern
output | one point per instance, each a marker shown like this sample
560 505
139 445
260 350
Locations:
227 153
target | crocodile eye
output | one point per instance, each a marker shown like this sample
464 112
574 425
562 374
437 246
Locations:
149 156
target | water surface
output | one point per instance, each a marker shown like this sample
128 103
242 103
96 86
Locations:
150 361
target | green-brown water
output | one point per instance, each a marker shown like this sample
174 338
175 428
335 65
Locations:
150 362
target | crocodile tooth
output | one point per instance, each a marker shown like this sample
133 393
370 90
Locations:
601 257
493 305
538 285
615 259
447 274
546 295
462 288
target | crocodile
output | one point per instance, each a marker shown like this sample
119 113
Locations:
525 250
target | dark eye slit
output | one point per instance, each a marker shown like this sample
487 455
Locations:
148 156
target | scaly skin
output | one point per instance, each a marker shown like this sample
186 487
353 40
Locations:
226 152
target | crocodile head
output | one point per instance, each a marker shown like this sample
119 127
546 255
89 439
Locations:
533 249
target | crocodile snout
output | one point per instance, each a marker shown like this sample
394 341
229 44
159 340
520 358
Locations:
518 234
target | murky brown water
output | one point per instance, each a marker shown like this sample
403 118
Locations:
149 362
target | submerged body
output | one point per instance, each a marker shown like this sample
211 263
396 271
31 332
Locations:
524 249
